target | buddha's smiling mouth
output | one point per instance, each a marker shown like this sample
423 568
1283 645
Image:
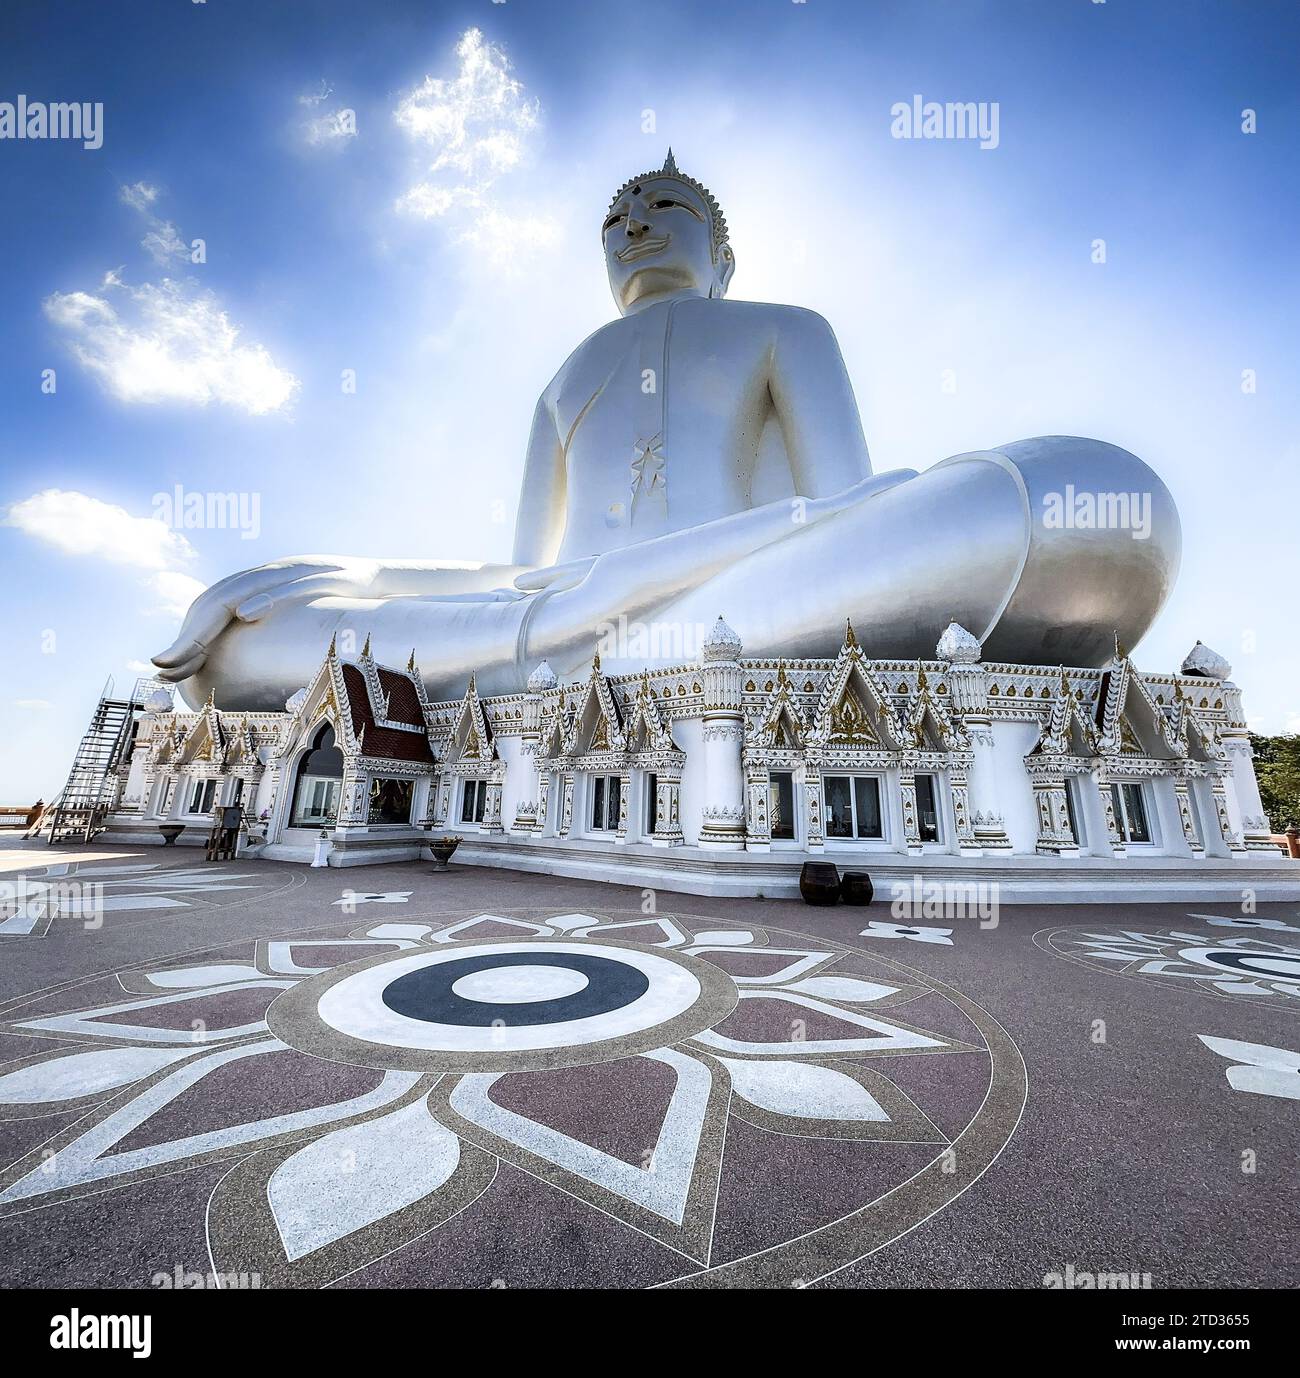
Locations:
643 248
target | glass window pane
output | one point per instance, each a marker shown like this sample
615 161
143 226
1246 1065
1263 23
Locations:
614 794
927 811
1069 810
390 801
467 803
1138 828
780 804
839 806
651 802
480 799
598 801
1118 806
866 796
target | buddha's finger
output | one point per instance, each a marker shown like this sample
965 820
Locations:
251 609
176 673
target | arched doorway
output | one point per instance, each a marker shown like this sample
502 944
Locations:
318 783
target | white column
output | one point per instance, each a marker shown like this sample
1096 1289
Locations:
722 824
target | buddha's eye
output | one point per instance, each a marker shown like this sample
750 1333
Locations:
663 205
611 222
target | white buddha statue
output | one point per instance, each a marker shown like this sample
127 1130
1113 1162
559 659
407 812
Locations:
700 455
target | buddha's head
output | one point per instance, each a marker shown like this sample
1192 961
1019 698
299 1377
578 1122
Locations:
664 235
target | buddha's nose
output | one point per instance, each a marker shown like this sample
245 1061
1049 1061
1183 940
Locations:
636 228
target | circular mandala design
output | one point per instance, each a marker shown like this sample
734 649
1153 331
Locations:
694 1102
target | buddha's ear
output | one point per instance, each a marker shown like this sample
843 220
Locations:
724 264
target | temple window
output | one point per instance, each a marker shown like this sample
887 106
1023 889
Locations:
205 792
1073 811
606 791
390 800
473 801
237 794
927 809
780 805
319 783
852 806
651 802
1131 817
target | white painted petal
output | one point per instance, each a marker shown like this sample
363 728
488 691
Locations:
400 930
567 922
84 1074
1260 1069
223 974
355 1176
843 988
724 937
803 1089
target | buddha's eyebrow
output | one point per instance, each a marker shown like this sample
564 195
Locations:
677 200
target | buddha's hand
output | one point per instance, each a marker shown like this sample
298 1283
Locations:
252 594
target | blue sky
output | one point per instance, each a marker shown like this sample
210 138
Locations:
448 252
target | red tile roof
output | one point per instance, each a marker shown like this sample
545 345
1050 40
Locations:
387 742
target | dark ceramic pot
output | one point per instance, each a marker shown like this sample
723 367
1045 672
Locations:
819 882
442 848
856 888
170 832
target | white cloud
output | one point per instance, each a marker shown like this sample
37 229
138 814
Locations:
168 342
162 241
38 704
141 667
329 128
140 195
77 524
475 127
174 592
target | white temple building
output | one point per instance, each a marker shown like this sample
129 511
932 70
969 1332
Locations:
724 775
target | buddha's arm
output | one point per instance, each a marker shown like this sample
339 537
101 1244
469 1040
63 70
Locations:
539 528
815 405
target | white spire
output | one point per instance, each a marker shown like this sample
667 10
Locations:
958 646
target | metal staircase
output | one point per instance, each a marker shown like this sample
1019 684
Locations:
93 781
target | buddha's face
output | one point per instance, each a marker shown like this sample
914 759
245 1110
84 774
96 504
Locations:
659 242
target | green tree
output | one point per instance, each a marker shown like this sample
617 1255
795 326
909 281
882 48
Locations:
1277 768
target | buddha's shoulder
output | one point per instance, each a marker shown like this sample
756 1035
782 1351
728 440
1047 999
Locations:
749 314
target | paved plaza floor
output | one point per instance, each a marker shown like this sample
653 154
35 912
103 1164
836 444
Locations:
270 1075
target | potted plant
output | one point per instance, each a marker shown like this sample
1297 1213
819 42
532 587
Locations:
442 848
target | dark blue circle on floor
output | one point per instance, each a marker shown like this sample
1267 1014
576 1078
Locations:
1241 961
427 994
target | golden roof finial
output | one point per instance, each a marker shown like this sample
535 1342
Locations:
921 681
410 664
595 660
472 687
333 650
850 636
365 650
1120 652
